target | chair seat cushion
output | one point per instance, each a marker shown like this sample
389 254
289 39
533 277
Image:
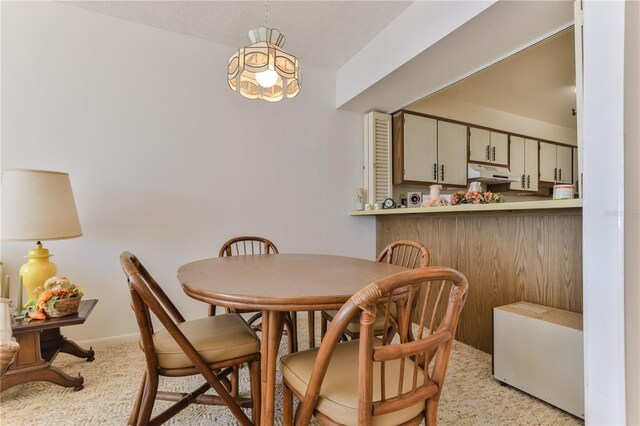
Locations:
339 392
216 338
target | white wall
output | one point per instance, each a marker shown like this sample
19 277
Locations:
165 160
455 109
603 213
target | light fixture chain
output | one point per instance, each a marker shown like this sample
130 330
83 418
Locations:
267 13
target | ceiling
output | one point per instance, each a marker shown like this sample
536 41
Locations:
321 33
538 82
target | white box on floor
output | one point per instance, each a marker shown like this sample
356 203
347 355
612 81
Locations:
539 350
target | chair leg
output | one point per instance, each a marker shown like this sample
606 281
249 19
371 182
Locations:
289 327
226 382
135 410
312 328
149 398
294 326
255 380
212 310
323 327
218 387
431 412
234 381
287 405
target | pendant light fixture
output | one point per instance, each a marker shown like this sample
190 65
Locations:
263 70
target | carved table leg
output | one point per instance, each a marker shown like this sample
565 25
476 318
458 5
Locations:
52 338
49 374
72 348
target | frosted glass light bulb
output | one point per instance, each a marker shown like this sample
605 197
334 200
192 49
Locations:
267 78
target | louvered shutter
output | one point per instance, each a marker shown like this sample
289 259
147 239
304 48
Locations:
377 157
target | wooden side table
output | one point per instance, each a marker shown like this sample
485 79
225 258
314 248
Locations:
40 341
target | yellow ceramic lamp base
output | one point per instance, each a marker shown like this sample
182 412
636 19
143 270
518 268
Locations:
37 270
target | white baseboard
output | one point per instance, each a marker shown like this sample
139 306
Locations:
123 338
132 337
109 341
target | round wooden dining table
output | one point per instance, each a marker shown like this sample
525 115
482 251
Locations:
276 284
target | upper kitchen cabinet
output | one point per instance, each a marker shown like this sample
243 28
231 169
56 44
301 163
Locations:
419 146
555 163
427 150
486 146
524 163
452 153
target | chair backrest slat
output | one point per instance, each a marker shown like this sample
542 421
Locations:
401 255
247 245
434 311
409 254
401 381
423 310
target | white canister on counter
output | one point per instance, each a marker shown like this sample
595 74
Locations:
475 187
434 192
562 192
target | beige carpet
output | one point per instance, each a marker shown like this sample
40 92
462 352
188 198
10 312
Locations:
470 397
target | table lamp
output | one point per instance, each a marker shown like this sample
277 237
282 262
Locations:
37 205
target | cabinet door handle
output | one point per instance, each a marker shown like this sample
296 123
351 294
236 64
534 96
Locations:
560 175
528 181
435 172
494 153
555 174
442 173
522 181
487 154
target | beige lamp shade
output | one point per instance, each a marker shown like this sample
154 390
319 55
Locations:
38 205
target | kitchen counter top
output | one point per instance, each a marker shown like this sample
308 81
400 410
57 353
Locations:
520 205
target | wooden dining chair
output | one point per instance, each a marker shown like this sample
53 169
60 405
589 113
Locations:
247 246
398 378
409 254
211 347
243 246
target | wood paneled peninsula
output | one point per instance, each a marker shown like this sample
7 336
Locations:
523 251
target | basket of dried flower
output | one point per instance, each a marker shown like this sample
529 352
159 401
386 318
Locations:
63 307
57 297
